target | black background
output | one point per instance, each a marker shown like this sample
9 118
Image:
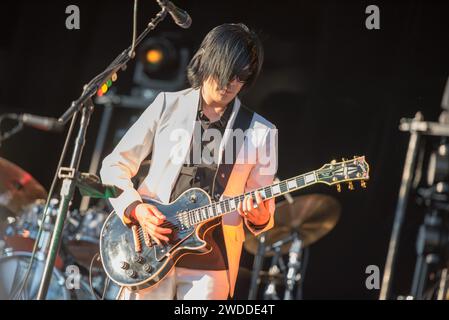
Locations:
333 88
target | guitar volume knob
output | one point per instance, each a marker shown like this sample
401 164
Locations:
131 273
147 268
138 259
124 265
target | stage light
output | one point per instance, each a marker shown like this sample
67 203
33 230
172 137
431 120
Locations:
161 63
154 56
159 59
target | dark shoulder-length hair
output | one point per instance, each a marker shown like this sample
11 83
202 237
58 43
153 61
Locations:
224 53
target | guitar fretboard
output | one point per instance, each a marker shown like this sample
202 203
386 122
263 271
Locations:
217 209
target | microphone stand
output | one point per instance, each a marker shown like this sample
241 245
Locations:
85 105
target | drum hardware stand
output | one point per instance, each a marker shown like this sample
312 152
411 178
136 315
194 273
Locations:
270 291
277 267
294 267
85 105
417 128
258 259
257 267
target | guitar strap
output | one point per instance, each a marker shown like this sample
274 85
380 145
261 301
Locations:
242 121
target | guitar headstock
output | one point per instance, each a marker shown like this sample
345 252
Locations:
335 172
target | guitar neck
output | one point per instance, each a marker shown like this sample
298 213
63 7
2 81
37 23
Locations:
220 208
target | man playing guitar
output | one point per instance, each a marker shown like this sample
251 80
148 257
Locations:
228 60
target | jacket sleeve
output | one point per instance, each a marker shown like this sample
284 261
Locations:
263 173
123 163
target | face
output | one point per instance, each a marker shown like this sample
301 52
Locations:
212 92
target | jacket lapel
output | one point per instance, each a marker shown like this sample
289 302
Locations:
175 142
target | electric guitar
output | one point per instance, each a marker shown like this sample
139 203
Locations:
131 259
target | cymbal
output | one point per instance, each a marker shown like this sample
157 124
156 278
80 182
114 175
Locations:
312 216
18 188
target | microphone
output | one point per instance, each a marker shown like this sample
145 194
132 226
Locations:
40 123
179 16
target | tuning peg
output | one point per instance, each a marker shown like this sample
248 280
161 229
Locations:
350 185
363 183
338 187
333 163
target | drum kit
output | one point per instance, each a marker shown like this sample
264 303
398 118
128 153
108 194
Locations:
23 222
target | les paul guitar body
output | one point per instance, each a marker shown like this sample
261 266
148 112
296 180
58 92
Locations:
138 270
132 260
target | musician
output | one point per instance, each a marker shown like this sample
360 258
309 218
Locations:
228 60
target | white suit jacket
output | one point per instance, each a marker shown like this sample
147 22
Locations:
166 128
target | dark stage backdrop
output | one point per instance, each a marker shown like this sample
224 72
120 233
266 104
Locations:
333 88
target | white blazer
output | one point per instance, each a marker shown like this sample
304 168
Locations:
157 130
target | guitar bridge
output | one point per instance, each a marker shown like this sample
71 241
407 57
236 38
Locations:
147 239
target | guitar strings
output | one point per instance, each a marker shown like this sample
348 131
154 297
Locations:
187 215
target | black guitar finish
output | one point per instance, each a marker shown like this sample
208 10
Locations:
140 270
191 217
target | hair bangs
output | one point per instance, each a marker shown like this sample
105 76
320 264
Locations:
224 53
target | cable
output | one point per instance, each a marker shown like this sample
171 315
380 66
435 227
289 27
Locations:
13 131
133 44
90 277
91 286
113 65
49 197
106 285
